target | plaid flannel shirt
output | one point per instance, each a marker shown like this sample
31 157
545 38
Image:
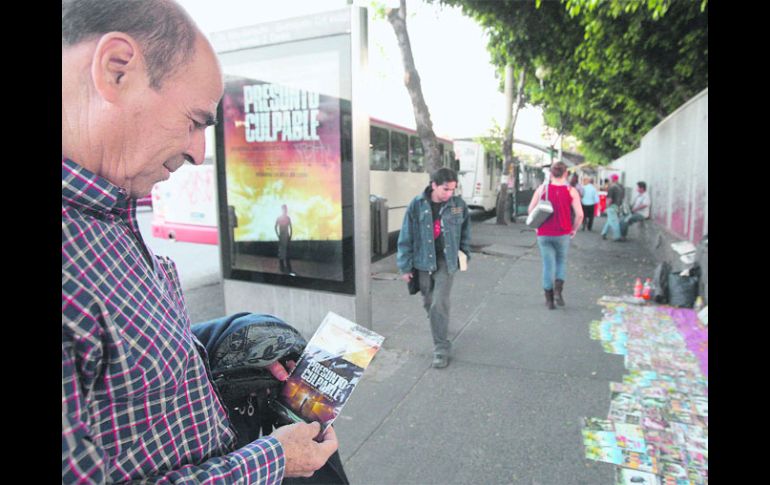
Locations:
137 401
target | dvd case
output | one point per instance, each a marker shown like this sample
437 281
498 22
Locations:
328 370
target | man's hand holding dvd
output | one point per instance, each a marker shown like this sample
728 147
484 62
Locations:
308 450
328 370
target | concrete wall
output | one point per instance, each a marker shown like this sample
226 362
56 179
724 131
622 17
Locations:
303 309
673 160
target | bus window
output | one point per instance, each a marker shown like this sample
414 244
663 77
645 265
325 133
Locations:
489 165
416 155
379 149
454 163
400 151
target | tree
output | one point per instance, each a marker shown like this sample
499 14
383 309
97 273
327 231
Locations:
397 18
617 67
514 103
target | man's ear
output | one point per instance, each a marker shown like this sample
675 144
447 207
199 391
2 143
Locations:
117 65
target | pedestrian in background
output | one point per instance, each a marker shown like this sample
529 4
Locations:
554 235
574 182
435 229
589 199
640 209
615 196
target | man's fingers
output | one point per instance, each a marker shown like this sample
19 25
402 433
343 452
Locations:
310 430
303 454
329 444
278 371
330 434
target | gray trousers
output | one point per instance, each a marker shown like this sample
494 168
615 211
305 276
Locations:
435 289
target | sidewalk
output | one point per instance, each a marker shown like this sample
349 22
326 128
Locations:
508 408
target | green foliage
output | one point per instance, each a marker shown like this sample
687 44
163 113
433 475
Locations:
493 142
614 68
379 10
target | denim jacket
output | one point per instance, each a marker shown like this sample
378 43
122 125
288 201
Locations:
416 248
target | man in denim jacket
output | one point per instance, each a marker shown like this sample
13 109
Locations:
436 227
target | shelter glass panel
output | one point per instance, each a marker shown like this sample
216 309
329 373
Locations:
284 163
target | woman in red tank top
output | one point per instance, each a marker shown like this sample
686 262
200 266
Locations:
554 235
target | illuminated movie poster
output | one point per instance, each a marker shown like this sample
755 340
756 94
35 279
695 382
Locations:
283 179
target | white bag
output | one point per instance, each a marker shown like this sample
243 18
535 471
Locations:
542 211
462 260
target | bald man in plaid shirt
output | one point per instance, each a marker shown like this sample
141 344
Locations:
140 84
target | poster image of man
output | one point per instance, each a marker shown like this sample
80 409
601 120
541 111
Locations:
283 230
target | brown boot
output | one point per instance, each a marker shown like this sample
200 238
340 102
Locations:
557 289
549 300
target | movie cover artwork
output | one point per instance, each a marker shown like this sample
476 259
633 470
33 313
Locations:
630 437
283 178
627 476
639 461
328 370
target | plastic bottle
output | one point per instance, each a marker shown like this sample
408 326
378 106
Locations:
647 289
638 288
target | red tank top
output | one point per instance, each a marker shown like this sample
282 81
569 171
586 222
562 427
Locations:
560 223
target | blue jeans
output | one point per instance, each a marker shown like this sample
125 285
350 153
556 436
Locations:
628 221
612 222
553 250
435 288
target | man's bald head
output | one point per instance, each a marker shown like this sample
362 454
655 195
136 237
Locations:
161 27
140 84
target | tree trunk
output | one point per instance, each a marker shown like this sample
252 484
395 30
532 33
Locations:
510 168
502 194
397 18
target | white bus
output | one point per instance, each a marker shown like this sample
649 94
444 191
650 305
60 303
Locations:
185 208
479 174
397 170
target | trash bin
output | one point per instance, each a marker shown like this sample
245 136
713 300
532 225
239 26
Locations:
379 221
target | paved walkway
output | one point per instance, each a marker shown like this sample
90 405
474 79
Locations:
508 408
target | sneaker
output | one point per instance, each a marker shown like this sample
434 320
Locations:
604 237
440 361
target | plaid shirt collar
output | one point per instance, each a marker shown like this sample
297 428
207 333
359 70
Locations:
83 188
